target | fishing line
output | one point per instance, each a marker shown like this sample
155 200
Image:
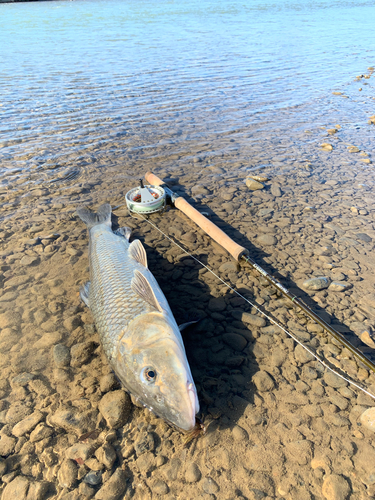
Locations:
321 361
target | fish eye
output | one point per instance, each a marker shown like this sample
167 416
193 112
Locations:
148 375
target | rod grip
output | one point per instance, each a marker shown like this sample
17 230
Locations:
153 179
209 227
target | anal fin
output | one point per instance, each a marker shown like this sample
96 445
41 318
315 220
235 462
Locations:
142 287
84 293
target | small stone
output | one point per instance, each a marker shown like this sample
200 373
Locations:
74 420
61 355
144 443
300 451
276 191
333 380
159 487
81 353
263 381
353 149
192 474
27 424
146 463
41 431
235 341
16 489
217 304
7 445
229 267
368 419
37 490
336 286
336 487
326 146
302 355
106 455
115 406
107 382
253 185
250 319
85 490
68 473
319 283
210 486
29 260
332 131
81 451
22 379
367 338
267 239
114 488
93 478
3 467
239 434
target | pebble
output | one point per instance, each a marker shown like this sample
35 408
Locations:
115 406
16 489
217 304
254 185
319 283
106 455
93 478
68 473
302 355
7 445
250 319
210 486
41 431
326 146
192 473
235 341
79 450
333 380
267 239
114 488
144 443
276 191
107 382
336 487
73 420
85 490
81 352
27 424
336 286
240 434
263 381
367 338
368 419
159 487
61 355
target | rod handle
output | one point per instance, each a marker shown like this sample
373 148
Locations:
153 179
236 250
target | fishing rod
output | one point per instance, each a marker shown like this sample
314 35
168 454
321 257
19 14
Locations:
241 254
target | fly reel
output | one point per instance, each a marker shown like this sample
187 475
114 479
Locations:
145 199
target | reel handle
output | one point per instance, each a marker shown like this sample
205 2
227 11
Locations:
236 250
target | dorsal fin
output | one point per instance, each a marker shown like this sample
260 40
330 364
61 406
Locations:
142 287
137 252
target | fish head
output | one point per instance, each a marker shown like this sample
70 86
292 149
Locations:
152 365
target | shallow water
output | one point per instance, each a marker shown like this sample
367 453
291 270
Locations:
94 94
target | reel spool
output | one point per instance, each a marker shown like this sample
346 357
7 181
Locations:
145 199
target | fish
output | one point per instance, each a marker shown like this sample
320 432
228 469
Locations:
137 329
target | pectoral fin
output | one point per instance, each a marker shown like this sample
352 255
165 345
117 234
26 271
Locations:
142 287
186 325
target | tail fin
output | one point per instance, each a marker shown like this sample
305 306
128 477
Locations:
91 219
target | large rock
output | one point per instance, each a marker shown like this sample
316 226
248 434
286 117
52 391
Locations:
336 487
115 407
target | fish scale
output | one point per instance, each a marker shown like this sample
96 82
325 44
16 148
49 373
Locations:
111 275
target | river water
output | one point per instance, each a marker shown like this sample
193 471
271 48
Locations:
204 93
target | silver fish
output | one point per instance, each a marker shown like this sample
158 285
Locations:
136 326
